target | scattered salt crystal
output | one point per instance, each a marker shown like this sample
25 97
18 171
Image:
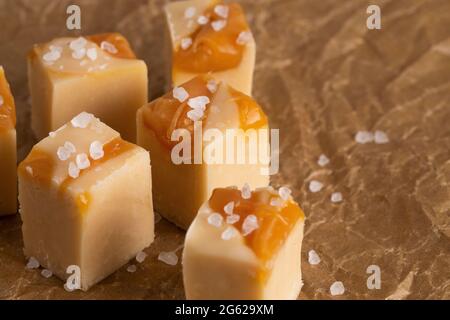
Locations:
276 202
250 224
78 43
131 268
313 257
79 53
55 48
140 257
229 207
74 171
186 43
190 12
169 258
246 192
46 273
315 186
202 20
70 147
32 263
1 100
284 193
231 219
381 137
96 150
108 47
63 154
92 54
29 170
180 94
336 197
222 10
195 114
82 161
364 137
199 102
51 56
337 288
82 120
212 86
323 160
229 233
215 219
243 38
218 24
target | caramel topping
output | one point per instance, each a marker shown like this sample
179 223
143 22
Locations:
7 105
275 223
250 113
119 42
213 50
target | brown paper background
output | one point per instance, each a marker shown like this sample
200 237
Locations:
321 76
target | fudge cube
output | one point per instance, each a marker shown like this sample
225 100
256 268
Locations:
196 134
8 156
244 245
209 36
98 74
85 200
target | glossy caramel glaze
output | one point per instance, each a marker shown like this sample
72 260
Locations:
8 108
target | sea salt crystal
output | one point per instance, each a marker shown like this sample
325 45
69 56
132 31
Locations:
222 10
74 171
215 219
315 186
246 192
180 94
229 207
276 202
51 56
82 161
32 263
108 47
70 147
364 137
82 120
243 38
381 137
62 153
78 43
323 160
46 273
169 258
186 43
284 193
195 114
212 86
92 54
202 20
1 100
96 150
313 257
55 48
337 288
190 12
250 224
79 53
131 268
199 102
140 257
218 24
229 233
336 197
231 219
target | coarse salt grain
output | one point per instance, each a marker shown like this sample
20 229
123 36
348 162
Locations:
250 224
186 43
229 207
212 86
51 56
169 258
246 192
46 273
131 268
180 94
215 219
276 202
323 160
92 54
202 20
55 48
82 120
218 25
284 193
190 12
195 114
229 233
63 154
32 263
381 137
199 102
222 10
108 47
141 256
315 186
336 197
70 147
243 38
82 161
313 257
231 219
364 137
79 53
74 171
96 150
337 288
78 43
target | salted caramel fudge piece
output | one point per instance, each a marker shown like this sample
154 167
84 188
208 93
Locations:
186 116
208 36
98 74
8 156
245 245
85 200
